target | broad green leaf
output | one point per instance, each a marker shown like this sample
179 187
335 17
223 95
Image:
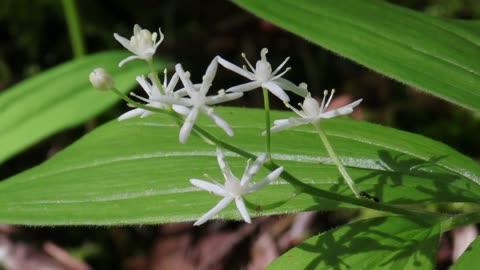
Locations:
59 98
136 171
380 243
470 258
436 55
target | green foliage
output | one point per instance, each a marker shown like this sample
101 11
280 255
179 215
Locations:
436 55
393 243
135 171
57 99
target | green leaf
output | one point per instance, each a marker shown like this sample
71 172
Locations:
136 171
57 99
436 55
379 243
469 258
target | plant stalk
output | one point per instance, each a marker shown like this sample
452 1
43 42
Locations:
336 160
266 103
74 30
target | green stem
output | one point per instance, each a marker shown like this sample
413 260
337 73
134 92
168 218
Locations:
459 221
266 103
74 31
335 159
299 185
155 76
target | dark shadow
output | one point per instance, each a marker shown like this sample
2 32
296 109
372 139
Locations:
432 182
335 248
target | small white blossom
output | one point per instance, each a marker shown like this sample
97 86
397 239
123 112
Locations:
262 76
143 44
101 79
234 189
312 112
199 101
153 96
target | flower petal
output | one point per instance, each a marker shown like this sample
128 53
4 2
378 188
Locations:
236 69
250 171
244 87
185 80
276 90
136 29
181 109
342 110
146 86
172 100
289 86
217 208
267 180
211 100
242 209
209 76
171 84
215 189
130 58
218 120
130 114
125 42
188 125
227 172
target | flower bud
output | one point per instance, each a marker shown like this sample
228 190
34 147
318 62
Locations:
101 79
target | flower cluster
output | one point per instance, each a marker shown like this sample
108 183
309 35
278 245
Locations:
234 189
193 99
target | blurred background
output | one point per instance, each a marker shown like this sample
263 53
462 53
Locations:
34 37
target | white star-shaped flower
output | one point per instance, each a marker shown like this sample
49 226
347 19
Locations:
262 76
234 189
199 101
312 112
153 96
143 44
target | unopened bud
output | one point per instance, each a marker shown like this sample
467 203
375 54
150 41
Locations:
101 79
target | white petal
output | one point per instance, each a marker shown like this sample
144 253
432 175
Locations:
289 86
183 91
267 180
280 125
342 110
244 87
209 76
236 69
147 87
242 209
125 42
172 100
215 189
185 80
146 113
276 90
130 114
148 53
217 208
253 169
136 29
218 120
130 58
211 100
172 83
188 125
181 109
227 172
